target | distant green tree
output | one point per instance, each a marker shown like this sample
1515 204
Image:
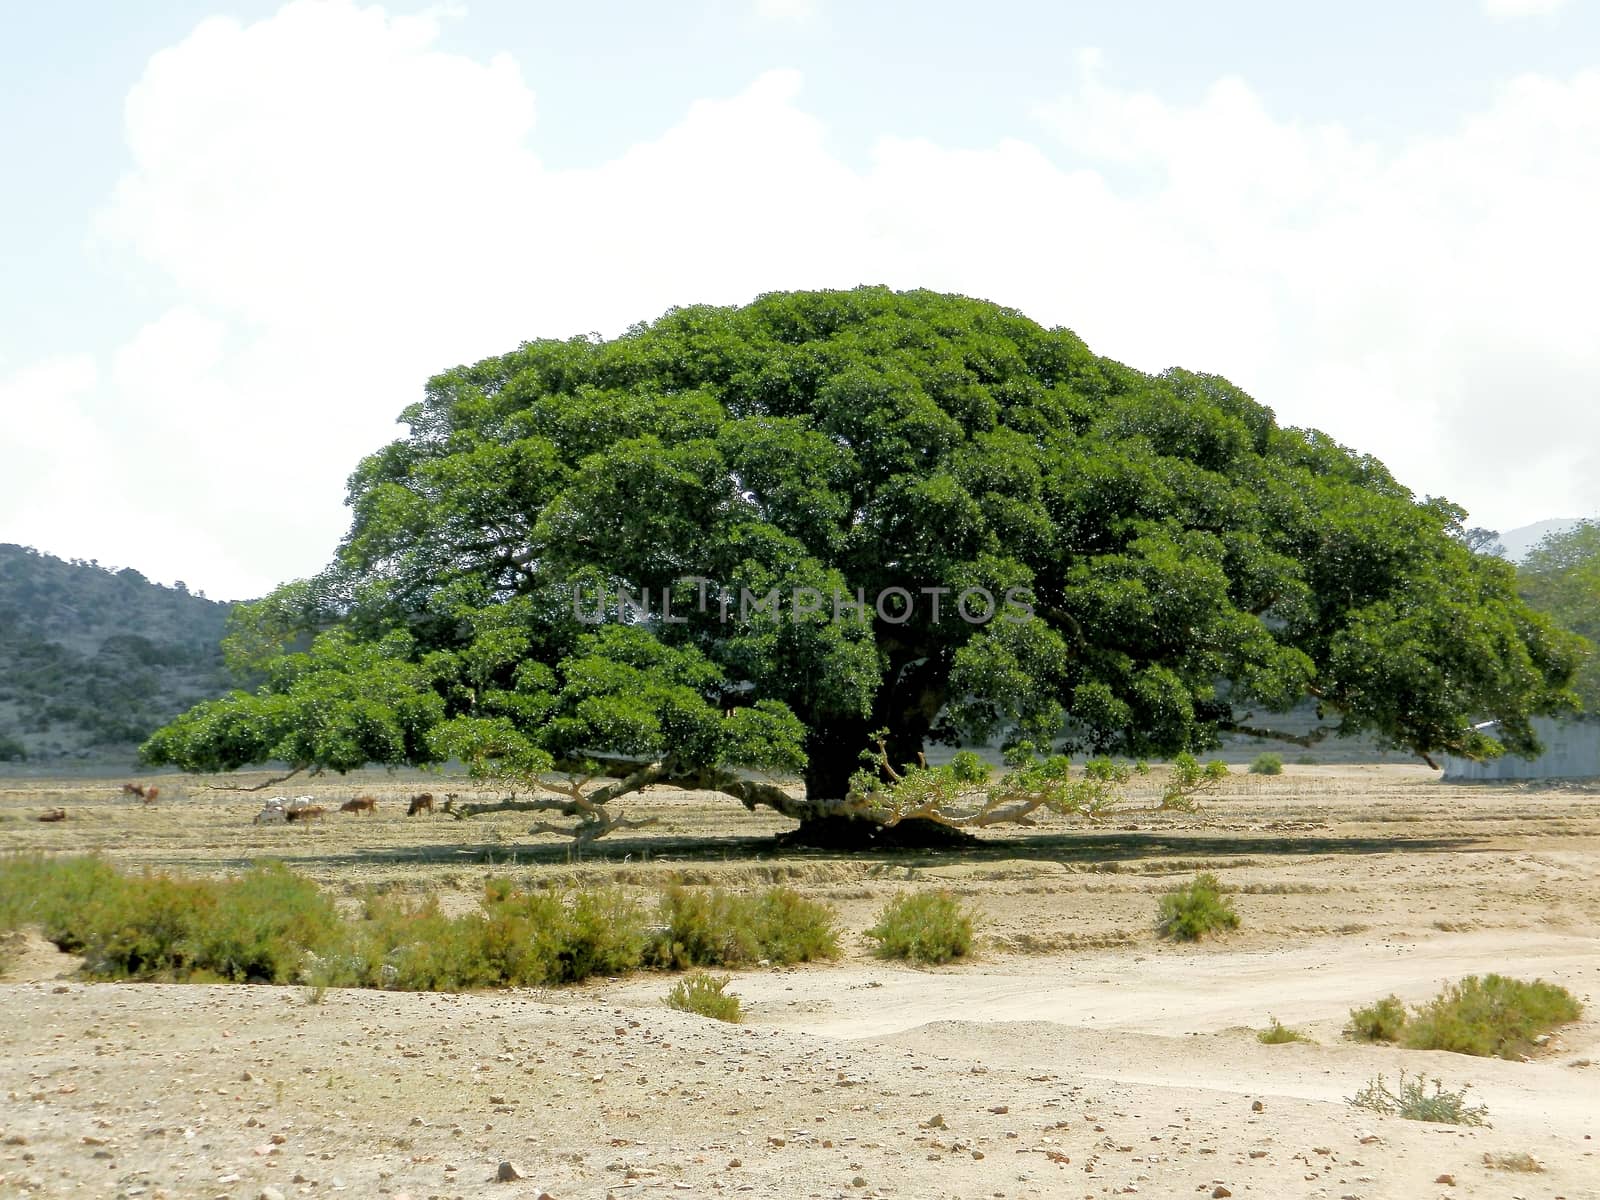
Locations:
1175 562
1561 578
1483 541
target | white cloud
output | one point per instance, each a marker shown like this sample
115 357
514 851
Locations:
1510 10
345 210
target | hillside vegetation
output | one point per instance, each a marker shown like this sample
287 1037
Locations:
92 660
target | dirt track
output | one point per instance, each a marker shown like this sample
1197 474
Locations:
1133 1059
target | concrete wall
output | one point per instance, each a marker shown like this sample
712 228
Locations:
1572 751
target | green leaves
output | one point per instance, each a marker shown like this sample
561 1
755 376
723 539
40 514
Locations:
339 705
1180 554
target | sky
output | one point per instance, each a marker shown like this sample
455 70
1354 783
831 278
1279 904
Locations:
237 239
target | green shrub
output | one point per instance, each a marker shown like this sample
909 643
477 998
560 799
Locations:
53 893
518 940
1414 1103
698 929
1187 914
270 925
148 929
411 946
1267 764
702 994
715 928
925 927
1277 1033
790 929
1492 1016
1381 1021
604 934
264 924
258 926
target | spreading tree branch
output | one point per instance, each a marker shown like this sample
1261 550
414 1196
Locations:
1308 740
258 787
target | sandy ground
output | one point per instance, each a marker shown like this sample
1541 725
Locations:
1076 1055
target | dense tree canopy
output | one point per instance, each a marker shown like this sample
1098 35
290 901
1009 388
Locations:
974 527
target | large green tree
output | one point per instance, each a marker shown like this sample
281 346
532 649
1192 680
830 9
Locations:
1047 547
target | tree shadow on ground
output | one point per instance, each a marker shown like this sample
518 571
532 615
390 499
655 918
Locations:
1079 849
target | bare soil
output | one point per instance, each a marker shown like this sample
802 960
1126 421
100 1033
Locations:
1075 1055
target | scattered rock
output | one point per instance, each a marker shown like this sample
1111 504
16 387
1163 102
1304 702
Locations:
934 1122
1447 1180
1257 1106
1219 1191
269 1193
509 1172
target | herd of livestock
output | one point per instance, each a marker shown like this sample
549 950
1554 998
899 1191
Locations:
280 810
285 810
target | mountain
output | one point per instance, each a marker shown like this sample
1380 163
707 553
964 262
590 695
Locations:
1519 541
92 660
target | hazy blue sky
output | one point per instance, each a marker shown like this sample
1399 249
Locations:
236 238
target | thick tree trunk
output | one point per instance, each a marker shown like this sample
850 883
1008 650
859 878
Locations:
833 754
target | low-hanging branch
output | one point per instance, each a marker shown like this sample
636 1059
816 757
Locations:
960 795
260 787
1313 738
597 826
572 797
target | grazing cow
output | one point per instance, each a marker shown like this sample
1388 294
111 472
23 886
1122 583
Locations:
361 804
53 814
420 804
308 812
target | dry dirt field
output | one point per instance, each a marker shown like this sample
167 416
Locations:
1075 1056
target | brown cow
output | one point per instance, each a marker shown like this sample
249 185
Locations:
361 804
311 812
53 814
420 804
150 794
